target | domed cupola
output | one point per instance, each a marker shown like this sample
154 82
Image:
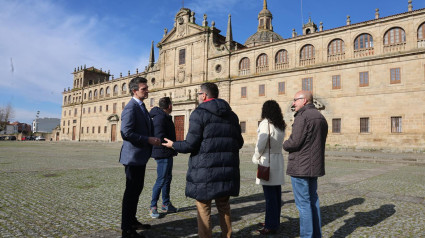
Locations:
264 32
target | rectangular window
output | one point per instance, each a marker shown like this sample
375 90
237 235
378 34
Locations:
396 125
98 130
84 110
63 130
63 123
88 110
123 105
281 88
94 109
75 112
364 125
69 112
307 84
336 82
182 56
336 125
395 75
92 130
87 129
243 92
261 90
82 130
364 79
106 107
105 129
243 126
114 108
100 108
68 130
64 113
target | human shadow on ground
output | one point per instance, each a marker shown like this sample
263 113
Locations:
365 219
188 226
291 228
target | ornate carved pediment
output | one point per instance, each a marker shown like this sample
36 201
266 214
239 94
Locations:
181 76
113 118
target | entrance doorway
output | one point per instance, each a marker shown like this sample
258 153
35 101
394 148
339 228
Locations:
179 124
113 132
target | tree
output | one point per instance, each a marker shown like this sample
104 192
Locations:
6 113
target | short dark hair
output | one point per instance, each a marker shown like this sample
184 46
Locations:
164 102
210 89
134 84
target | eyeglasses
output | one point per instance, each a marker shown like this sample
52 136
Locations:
200 93
295 99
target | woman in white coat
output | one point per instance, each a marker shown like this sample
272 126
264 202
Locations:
273 125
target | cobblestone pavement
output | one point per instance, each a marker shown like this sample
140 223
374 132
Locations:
58 189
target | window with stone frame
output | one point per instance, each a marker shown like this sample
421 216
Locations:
307 84
107 108
336 125
82 130
336 81
243 126
75 112
98 130
394 36
262 63
105 129
100 108
243 92
87 130
116 90
336 47
261 90
94 109
307 52
364 125
88 110
421 32
114 108
364 79
363 41
124 88
395 75
244 66
396 126
92 130
281 88
281 59
182 56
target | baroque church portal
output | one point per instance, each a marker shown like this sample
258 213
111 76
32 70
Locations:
368 79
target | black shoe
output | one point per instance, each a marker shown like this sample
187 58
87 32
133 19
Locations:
266 231
131 234
140 226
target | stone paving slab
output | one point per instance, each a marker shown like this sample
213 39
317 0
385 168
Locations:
75 190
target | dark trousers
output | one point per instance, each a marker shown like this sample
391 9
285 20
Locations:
135 178
273 196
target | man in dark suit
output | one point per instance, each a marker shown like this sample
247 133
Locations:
137 134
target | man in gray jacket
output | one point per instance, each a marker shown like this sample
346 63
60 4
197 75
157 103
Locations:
306 161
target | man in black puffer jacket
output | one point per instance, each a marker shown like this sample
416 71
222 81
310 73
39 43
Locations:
214 139
163 128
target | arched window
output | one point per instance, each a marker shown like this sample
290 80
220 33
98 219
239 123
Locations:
307 55
363 45
281 59
101 92
421 32
95 93
363 41
336 50
64 100
262 63
85 96
69 99
244 66
108 91
394 35
90 94
124 88
116 90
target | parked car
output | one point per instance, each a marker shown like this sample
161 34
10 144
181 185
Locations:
30 138
40 138
2 137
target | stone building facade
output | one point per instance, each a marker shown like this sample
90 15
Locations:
368 79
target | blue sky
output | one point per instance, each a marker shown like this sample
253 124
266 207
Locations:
42 41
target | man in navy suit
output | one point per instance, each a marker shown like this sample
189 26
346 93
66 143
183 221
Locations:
137 134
